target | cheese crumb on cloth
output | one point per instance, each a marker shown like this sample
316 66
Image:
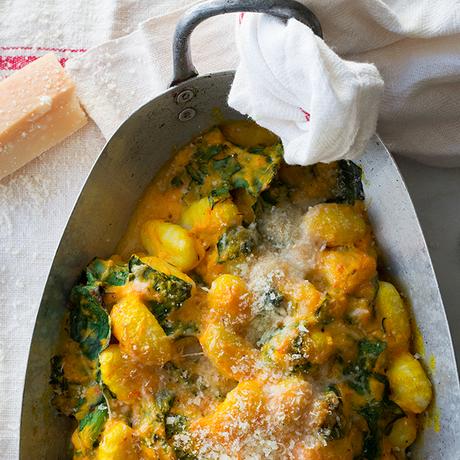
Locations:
414 45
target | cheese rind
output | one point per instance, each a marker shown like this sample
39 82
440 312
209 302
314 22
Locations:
38 109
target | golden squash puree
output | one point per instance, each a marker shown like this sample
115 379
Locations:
245 317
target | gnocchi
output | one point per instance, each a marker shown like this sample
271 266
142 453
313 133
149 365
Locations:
124 379
171 243
409 383
139 333
393 315
118 442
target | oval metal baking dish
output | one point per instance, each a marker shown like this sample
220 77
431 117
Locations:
126 166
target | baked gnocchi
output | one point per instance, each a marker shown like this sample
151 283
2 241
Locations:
243 317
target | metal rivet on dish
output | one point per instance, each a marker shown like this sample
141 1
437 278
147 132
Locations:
187 114
185 96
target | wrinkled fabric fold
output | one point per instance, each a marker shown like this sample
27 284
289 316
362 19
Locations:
324 108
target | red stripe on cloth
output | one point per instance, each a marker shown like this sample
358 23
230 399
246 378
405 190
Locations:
306 114
18 62
15 62
42 48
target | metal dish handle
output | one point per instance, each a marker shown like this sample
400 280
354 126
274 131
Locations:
182 57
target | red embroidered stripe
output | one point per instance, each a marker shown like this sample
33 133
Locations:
306 114
15 62
42 48
18 62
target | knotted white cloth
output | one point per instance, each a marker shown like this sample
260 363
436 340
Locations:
323 107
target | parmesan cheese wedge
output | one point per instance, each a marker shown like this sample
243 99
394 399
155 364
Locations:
38 109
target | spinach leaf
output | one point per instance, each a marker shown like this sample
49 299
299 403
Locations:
198 167
323 313
218 194
226 167
106 272
358 373
215 170
380 416
349 186
298 357
257 169
91 425
171 291
206 153
164 401
272 298
89 322
256 149
72 397
278 191
174 424
304 367
334 425
235 242
183 454
197 172
177 182
241 182
179 329
57 378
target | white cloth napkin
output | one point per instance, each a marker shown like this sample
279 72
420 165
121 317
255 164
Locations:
324 108
117 77
414 44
